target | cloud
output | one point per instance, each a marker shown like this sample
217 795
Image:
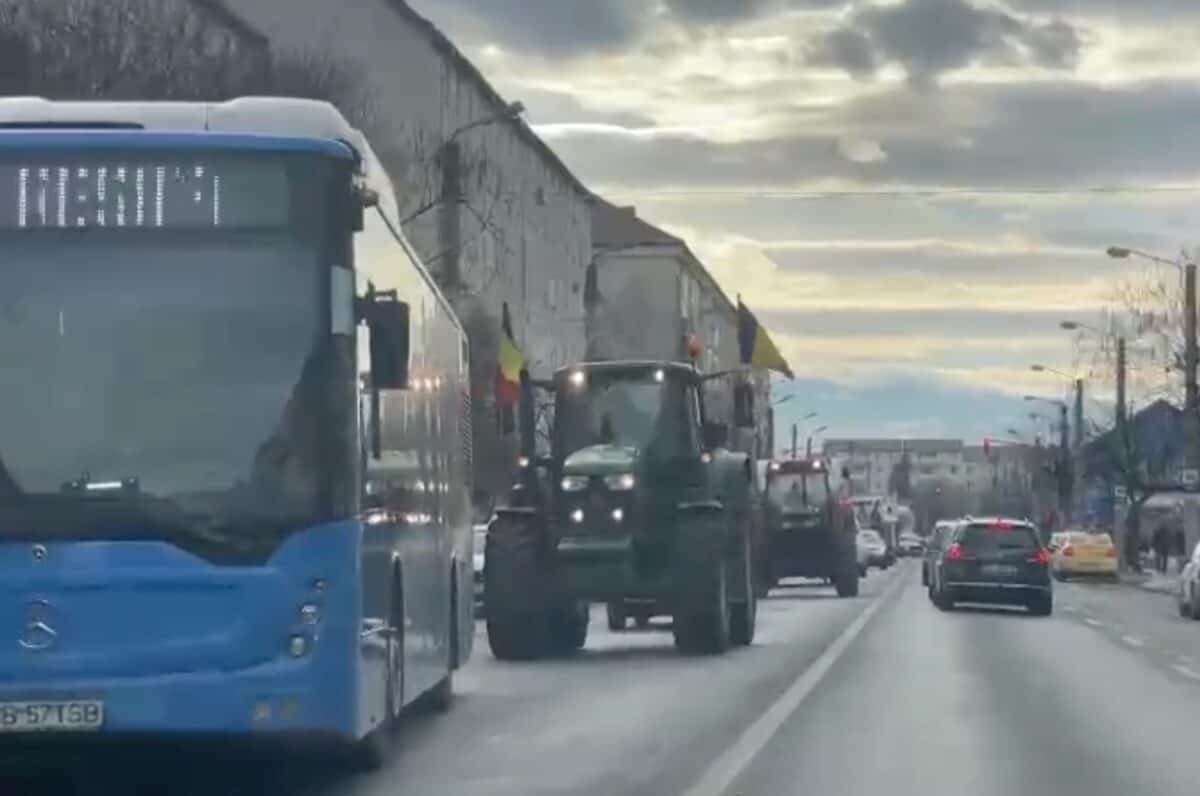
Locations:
859 150
845 48
916 311
1142 11
557 107
549 27
722 12
717 11
1041 135
931 37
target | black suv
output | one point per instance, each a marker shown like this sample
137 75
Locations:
993 560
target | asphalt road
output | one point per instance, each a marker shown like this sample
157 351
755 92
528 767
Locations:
883 692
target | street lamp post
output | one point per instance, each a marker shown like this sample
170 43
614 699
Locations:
1062 482
808 443
796 433
1191 355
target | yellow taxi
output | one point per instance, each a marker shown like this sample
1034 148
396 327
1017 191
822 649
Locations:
1079 553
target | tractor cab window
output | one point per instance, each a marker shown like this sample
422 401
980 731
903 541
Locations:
798 490
640 412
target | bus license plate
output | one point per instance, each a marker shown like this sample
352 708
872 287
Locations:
73 716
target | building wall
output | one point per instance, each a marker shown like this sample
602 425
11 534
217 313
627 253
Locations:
638 317
523 227
526 229
651 298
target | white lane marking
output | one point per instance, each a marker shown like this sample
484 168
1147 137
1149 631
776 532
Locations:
1093 622
1133 641
717 778
1187 671
1067 607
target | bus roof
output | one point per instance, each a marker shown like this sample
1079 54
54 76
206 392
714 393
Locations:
119 139
264 116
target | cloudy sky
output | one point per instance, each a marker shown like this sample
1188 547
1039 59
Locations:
911 193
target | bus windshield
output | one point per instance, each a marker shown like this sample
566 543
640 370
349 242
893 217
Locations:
163 357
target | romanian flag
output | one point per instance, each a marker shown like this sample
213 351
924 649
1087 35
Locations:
509 364
757 348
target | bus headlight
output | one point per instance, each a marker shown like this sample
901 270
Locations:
622 482
574 483
577 516
298 646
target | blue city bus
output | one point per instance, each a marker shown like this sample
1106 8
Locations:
234 431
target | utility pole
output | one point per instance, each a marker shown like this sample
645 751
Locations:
1064 464
1077 464
808 448
795 439
1128 547
1120 419
771 432
1192 394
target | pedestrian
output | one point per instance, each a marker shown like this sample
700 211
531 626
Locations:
1160 544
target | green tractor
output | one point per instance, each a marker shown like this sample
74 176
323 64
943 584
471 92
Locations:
638 504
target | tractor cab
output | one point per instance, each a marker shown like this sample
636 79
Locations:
810 533
619 425
799 486
625 422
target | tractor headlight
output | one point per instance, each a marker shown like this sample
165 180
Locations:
574 483
622 482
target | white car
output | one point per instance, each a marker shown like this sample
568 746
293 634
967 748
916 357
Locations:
872 550
910 544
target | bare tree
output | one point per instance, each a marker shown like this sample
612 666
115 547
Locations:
1148 307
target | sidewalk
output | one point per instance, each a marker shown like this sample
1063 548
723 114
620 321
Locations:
1159 584
1150 580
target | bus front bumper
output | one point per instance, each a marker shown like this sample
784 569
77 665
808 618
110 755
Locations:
280 697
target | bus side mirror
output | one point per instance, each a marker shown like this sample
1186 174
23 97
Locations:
388 319
715 435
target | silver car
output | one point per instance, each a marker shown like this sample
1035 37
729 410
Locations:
872 550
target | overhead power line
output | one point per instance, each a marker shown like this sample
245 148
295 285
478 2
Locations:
917 193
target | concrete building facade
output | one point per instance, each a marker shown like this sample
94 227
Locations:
652 295
494 213
871 461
